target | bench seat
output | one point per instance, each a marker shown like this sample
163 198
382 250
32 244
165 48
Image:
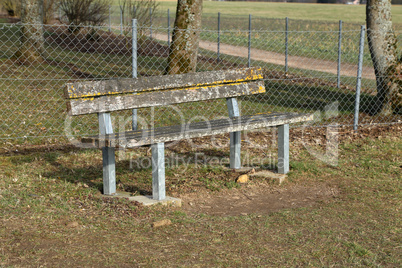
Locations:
132 139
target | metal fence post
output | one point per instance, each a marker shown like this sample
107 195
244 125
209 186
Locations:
249 40
121 21
286 44
150 22
134 67
110 20
168 24
338 83
359 78
219 35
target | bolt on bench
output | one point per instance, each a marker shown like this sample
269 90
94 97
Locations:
103 97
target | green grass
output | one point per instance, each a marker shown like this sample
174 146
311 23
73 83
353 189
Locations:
315 44
297 11
43 192
306 17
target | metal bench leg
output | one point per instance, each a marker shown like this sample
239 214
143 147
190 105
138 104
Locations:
158 171
109 173
235 141
134 119
235 137
109 161
283 149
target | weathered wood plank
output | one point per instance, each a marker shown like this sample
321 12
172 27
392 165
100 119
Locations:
88 89
131 139
161 98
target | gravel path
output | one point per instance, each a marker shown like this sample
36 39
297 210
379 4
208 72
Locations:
277 58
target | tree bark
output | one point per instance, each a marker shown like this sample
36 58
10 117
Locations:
382 44
184 48
32 42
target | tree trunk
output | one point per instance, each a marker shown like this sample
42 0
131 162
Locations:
382 45
184 48
32 42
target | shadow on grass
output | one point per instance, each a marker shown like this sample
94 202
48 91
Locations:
133 173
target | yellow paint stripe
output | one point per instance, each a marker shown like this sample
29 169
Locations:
251 78
260 89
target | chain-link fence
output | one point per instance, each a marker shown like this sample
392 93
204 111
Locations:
305 71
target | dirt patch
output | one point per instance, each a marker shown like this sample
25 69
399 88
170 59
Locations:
279 59
258 199
261 197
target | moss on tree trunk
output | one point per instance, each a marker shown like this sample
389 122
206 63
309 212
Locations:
382 44
32 41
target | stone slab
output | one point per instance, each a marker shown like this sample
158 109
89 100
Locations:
243 170
275 177
147 200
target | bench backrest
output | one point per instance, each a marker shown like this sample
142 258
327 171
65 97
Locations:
121 94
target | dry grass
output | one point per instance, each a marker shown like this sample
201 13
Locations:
52 213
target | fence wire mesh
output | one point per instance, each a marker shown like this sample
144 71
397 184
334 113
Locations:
300 69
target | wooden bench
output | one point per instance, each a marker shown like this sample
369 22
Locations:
103 97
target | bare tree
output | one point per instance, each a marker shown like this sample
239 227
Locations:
184 48
84 12
32 42
48 9
382 44
143 10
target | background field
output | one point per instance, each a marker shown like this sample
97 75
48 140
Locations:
322 12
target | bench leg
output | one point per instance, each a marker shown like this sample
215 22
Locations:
283 149
109 173
235 142
235 137
134 119
108 156
158 171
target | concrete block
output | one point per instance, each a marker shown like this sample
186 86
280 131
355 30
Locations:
147 200
276 178
242 170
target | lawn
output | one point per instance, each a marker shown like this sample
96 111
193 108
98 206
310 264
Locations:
297 11
271 16
52 213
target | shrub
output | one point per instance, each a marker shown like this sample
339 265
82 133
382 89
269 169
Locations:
84 12
13 8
